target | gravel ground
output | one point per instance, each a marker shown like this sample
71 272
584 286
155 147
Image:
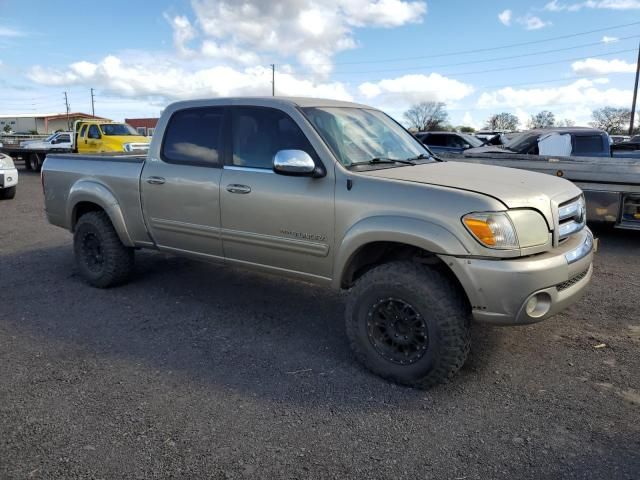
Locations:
196 371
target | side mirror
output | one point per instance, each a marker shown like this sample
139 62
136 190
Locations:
297 163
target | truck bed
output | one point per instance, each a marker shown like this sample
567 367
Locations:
72 174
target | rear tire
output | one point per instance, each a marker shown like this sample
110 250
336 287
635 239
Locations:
101 257
409 324
8 193
35 162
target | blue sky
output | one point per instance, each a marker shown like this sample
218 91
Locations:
139 56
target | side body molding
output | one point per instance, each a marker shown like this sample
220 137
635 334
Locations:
410 231
94 192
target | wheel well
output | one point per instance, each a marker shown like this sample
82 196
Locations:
81 208
377 253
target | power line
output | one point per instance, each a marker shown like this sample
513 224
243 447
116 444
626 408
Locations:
479 50
501 69
541 82
488 60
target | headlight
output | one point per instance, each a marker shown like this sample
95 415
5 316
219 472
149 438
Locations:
6 162
127 147
508 230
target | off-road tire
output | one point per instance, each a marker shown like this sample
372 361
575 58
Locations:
8 193
115 261
441 305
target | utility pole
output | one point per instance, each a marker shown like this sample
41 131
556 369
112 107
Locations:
93 107
273 79
66 103
635 94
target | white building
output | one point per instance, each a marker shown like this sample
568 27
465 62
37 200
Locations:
42 123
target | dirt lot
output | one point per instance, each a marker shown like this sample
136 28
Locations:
194 371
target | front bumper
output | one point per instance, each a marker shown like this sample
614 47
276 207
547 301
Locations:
8 177
499 290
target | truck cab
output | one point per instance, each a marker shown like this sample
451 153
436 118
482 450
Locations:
101 136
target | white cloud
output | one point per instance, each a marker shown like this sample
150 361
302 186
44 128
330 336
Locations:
505 17
183 33
597 66
579 94
415 88
607 39
308 30
556 6
165 78
11 32
531 22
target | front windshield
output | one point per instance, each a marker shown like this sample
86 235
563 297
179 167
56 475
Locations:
471 140
358 135
522 143
121 129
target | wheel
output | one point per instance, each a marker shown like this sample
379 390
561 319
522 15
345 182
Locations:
409 324
27 162
101 257
8 193
35 162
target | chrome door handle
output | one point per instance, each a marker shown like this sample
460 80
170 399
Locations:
155 180
235 188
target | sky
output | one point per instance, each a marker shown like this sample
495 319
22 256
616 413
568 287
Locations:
479 58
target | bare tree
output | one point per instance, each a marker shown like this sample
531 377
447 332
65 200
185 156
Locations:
611 119
427 116
543 119
566 122
503 122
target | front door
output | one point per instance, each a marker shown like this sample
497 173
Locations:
180 189
269 220
93 140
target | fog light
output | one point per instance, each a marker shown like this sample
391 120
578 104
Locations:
9 179
538 305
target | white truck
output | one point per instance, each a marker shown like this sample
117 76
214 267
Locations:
8 177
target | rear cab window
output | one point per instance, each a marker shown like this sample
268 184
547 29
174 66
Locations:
194 137
587 145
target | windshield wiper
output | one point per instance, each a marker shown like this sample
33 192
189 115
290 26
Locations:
379 160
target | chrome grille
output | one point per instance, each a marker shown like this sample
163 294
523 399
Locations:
572 281
572 217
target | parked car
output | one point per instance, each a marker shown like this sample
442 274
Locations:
453 142
336 194
8 177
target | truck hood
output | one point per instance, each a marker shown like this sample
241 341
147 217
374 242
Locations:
515 188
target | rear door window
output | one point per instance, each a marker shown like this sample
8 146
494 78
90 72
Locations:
194 137
437 140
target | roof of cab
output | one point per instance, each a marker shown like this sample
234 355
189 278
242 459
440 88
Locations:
274 101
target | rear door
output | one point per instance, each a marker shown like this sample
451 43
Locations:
180 189
269 220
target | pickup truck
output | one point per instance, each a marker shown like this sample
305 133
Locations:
54 142
448 142
608 175
341 195
561 141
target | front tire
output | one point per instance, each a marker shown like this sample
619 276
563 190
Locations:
409 323
35 162
8 193
102 259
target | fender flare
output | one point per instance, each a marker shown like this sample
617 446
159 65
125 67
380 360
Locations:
422 234
97 193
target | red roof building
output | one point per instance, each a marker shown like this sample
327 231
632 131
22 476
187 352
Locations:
144 126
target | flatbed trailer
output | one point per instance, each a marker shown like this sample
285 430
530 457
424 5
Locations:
33 158
611 185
